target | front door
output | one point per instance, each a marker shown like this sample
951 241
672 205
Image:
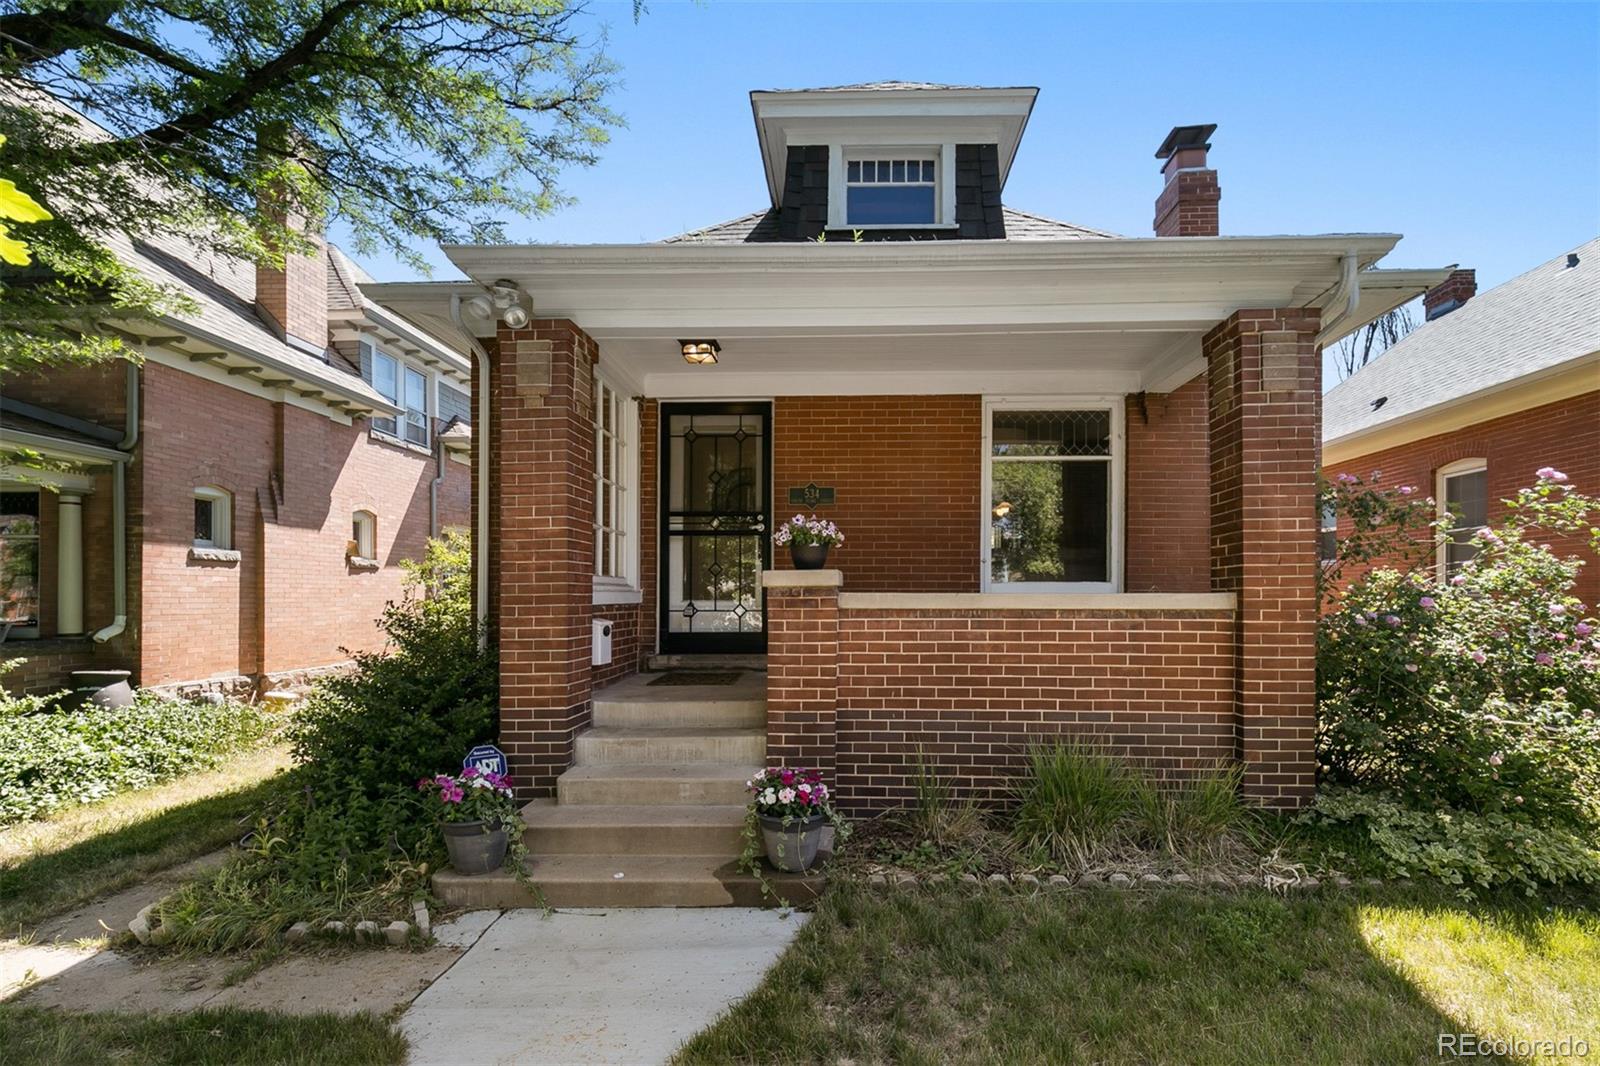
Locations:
714 531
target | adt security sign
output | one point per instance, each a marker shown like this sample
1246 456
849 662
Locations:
487 758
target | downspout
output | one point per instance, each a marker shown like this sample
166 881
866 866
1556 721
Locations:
433 486
480 434
119 513
1349 290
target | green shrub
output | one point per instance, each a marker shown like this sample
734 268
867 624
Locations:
935 815
1194 813
1072 801
52 758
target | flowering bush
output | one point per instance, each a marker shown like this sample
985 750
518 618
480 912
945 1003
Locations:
1477 695
792 795
802 530
475 796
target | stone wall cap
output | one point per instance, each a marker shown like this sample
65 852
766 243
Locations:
802 579
1035 601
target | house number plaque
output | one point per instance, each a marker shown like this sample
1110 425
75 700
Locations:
811 495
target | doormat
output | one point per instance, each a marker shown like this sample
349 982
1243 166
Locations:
697 677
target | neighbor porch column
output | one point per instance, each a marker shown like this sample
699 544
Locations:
69 564
1264 383
541 555
802 622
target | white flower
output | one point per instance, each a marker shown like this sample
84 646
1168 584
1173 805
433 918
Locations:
769 796
786 796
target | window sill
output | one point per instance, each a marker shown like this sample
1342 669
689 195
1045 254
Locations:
870 227
361 562
398 442
214 556
610 593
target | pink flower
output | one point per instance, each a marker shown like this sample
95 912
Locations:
1543 658
1550 473
786 795
1557 610
1411 668
1458 580
1346 479
1478 657
1406 490
1360 621
1391 620
1496 759
1583 629
1427 603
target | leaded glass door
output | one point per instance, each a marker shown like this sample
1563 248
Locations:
714 536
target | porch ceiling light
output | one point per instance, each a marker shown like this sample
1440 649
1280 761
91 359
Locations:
700 353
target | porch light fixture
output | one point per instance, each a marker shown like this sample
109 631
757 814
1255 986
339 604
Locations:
700 353
503 296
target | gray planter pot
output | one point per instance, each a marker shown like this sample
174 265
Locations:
475 847
106 688
808 556
792 848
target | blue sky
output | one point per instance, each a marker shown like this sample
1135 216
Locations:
1472 129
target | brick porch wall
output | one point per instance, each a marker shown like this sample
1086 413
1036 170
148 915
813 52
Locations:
1168 471
1564 434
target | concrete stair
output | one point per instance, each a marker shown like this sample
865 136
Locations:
651 814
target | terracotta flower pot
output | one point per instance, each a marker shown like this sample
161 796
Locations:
475 847
808 556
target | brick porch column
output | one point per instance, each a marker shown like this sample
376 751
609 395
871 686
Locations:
541 550
802 667
1265 424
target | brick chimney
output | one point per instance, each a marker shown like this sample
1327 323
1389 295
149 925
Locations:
1187 206
294 299
1451 293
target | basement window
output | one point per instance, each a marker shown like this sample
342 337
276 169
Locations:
1052 479
213 519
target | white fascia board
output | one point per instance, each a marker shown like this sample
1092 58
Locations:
453 362
1384 290
78 451
692 384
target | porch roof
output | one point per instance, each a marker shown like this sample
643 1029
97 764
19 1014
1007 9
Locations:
1103 316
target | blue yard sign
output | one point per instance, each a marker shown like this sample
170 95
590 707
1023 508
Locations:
487 758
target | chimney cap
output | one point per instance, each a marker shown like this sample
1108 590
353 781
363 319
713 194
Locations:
1183 137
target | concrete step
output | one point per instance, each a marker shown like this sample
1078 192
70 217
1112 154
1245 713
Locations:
683 784
614 745
645 881
633 829
640 701
681 661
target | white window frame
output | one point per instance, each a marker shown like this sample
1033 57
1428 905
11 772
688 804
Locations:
623 587
221 517
1444 474
394 429
1328 522
1113 404
944 192
364 527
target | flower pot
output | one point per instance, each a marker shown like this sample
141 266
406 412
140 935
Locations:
792 848
475 847
808 556
105 688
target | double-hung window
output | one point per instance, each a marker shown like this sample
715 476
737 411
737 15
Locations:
19 562
406 387
616 503
386 380
1463 495
1053 482
416 405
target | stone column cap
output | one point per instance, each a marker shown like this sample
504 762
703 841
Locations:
802 579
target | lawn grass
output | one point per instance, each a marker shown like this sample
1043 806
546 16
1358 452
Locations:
969 974
228 1037
73 856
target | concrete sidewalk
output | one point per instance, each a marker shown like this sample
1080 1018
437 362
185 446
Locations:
600 986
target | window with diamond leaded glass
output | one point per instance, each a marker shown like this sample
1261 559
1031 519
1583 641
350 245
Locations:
616 549
1053 498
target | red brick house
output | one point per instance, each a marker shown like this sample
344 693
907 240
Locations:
230 513
1076 473
1487 391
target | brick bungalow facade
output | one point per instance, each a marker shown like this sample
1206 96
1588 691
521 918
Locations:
1076 471
1488 390
228 472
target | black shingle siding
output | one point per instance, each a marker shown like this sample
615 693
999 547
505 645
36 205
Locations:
803 212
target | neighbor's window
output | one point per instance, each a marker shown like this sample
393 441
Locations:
213 519
386 380
364 534
1463 495
892 191
416 405
615 484
1053 499
1328 534
19 562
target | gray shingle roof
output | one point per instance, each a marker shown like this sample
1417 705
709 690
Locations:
345 276
1540 320
761 226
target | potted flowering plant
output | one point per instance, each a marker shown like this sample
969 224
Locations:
792 808
474 810
809 540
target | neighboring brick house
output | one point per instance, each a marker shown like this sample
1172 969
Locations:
259 476
1077 474
1488 390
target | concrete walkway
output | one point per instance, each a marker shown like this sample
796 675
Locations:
617 986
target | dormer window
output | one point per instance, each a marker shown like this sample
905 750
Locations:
891 192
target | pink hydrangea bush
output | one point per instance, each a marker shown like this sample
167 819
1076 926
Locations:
1478 693
803 531
475 795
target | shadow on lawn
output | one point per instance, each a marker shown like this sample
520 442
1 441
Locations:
35 887
968 975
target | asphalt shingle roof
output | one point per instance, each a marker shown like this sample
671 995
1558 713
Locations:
762 226
1537 321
